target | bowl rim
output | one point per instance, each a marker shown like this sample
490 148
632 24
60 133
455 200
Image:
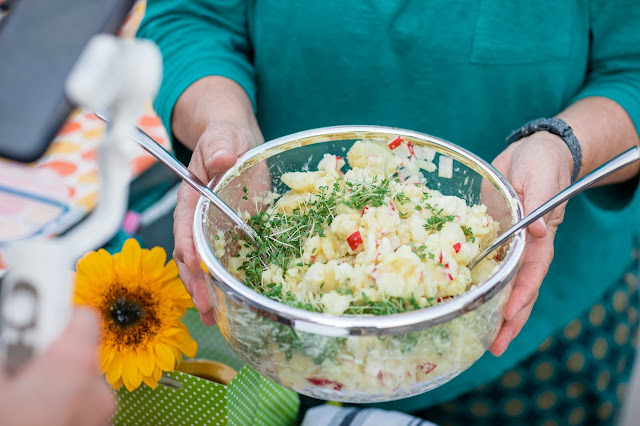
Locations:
328 325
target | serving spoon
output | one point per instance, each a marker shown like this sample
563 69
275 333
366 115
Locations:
629 156
162 155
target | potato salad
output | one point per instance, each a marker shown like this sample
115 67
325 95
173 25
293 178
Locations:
365 235
362 235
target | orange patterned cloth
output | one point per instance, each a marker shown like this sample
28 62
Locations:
48 196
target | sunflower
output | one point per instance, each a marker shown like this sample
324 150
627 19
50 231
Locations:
141 301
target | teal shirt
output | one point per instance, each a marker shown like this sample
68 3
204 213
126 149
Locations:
468 71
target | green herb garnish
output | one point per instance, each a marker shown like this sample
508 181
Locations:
468 233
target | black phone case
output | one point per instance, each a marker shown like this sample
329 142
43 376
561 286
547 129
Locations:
40 40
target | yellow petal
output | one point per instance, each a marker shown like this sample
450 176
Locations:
137 381
79 300
107 352
177 355
157 373
169 272
153 264
146 360
96 267
114 370
177 327
90 290
164 357
185 343
127 263
149 381
175 292
127 383
85 291
118 384
131 373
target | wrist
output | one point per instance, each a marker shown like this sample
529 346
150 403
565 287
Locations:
553 126
560 150
208 102
551 148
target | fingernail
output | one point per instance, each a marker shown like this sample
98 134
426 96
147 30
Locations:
220 153
542 221
177 256
193 299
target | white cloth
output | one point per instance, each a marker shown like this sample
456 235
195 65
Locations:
330 415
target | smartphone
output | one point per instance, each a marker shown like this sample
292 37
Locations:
40 40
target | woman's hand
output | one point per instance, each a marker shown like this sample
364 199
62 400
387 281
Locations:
214 118
219 146
538 166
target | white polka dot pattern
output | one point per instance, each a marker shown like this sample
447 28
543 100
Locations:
249 399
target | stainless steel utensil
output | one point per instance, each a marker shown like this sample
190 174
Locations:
162 155
628 157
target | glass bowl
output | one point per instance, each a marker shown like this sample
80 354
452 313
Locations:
355 358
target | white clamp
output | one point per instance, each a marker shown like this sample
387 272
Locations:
113 75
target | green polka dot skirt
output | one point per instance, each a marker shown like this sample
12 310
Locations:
577 377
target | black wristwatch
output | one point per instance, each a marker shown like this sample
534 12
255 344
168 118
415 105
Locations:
555 126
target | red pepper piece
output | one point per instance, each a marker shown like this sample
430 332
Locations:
450 277
319 381
427 367
410 148
395 143
354 240
440 259
457 247
364 209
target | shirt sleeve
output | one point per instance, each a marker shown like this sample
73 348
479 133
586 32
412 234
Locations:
614 58
198 38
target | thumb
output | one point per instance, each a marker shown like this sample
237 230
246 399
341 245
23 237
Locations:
84 326
536 192
81 336
538 229
219 149
74 350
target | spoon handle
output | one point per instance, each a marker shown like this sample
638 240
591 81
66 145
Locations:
162 155
629 156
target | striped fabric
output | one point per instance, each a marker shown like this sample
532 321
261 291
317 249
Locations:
330 415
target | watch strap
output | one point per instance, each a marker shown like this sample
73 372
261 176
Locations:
557 127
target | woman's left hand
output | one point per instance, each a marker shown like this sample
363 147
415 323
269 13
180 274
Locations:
538 167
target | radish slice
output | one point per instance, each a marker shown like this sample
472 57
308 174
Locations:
395 143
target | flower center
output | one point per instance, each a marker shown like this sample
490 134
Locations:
132 315
126 312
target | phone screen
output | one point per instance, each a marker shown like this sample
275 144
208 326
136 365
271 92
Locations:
40 40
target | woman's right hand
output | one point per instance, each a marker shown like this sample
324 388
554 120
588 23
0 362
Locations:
216 151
